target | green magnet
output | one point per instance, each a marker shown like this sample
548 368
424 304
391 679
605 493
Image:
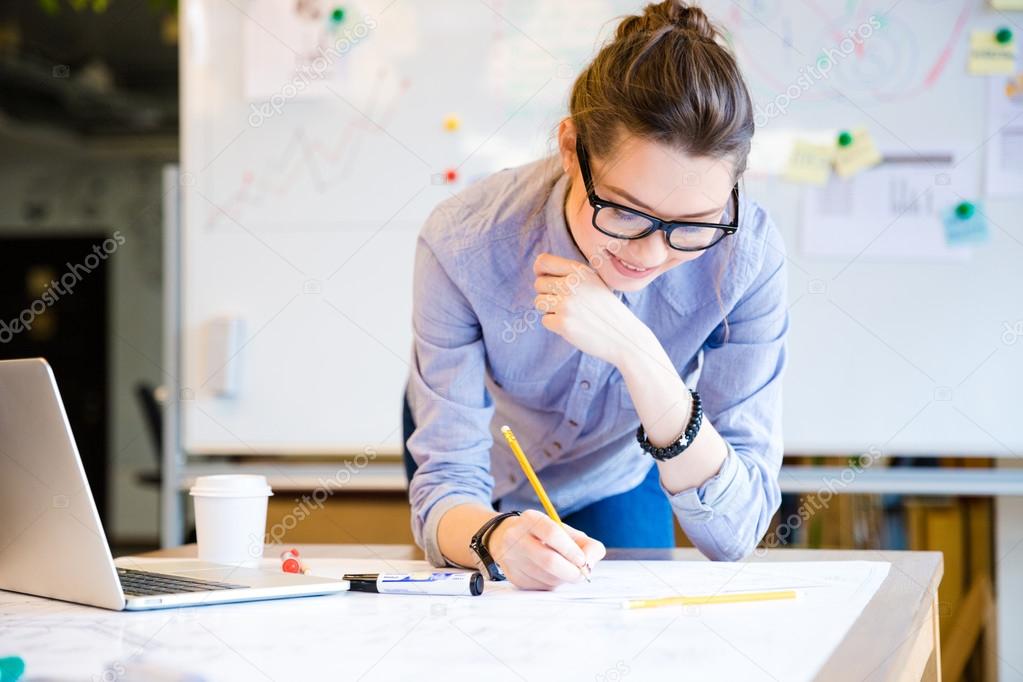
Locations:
845 138
338 15
1003 35
964 210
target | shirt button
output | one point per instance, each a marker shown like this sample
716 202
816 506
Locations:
556 444
548 453
585 385
573 423
511 478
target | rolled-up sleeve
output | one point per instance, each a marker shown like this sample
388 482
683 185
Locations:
741 389
451 443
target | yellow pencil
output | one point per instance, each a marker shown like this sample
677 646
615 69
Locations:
527 468
730 598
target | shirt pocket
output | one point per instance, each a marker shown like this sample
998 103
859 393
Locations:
532 393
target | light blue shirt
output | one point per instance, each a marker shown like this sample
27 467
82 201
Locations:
481 358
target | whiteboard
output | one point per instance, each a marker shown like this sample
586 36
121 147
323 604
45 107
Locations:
300 219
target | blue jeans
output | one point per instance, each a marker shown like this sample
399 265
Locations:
640 517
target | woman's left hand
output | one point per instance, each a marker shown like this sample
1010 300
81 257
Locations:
578 306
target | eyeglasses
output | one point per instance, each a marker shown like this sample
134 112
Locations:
622 222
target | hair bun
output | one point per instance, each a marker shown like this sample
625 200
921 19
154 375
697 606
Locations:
669 13
693 19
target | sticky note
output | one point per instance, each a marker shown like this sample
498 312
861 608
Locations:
991 53
809 163
855 152
1007 4
964 224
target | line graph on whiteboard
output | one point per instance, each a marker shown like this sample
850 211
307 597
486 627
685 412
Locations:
297 162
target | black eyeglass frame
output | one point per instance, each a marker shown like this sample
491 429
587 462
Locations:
666 226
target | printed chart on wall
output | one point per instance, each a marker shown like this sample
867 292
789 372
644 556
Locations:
893 211
1005 128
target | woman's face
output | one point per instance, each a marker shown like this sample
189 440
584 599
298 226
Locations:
653 178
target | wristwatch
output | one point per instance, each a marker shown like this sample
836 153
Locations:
479 542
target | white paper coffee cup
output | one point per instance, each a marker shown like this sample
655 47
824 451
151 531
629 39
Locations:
230 518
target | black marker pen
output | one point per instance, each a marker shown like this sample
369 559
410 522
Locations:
448 584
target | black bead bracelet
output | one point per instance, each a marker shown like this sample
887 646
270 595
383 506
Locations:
687 437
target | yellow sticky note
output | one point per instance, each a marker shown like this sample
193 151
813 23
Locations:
1007 4
989 56
859 154
809 163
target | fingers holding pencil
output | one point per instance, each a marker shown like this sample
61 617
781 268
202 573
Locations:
576 547
536 552
552 538
593 549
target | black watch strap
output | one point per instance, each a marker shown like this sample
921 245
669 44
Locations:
479 545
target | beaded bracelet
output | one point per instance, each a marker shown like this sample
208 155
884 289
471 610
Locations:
683 441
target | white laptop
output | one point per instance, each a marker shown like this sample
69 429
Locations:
51 540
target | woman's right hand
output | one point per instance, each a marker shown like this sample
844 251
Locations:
535 553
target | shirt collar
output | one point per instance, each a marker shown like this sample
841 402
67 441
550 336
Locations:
559 237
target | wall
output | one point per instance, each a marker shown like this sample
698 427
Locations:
56 185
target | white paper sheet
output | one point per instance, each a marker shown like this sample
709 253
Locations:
1004 146
505 634
890 212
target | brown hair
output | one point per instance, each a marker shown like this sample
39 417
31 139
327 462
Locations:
666 77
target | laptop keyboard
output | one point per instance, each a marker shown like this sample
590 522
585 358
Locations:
143 583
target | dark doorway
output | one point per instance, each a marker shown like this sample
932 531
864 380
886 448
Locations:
53 304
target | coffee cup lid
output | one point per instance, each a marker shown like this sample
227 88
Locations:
231 485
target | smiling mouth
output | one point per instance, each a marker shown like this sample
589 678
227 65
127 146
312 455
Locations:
630 266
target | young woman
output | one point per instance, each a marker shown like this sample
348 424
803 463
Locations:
583 300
